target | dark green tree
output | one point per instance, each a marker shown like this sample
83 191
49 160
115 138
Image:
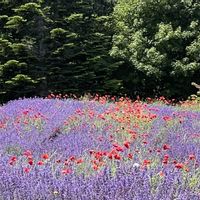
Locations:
22 67
56 46
81 41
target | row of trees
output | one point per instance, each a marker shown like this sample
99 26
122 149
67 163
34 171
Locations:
55 46
137 47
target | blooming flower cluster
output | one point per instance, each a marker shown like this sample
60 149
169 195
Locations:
98 149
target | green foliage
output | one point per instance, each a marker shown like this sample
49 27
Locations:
80 43
143 47
14 22
159 39
56 46
57 32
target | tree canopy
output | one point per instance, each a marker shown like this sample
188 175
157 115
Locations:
56 46
133 47
160 39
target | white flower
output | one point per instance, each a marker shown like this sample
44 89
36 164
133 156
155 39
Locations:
136 165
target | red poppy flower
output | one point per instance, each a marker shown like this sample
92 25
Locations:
161 173
192 157
91 152
30 162
14 158
30 157
45 156
110 156
79 161
11 162
100 138
27 153
72 158
40 163
158 150
98 155
117 157
66 162
166 147
179 165
165 161
66 171
115 145
119 148
167 118
25 112
166 156
175 162
95 167
127 144
105 153
187 169
130 156
146 162
27 170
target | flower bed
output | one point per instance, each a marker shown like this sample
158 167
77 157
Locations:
70 149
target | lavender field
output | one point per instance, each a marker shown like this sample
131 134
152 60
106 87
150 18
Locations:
99 150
